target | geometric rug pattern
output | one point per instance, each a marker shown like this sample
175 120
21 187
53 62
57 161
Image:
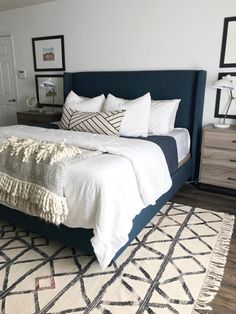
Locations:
162 271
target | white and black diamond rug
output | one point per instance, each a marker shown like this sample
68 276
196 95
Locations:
175 265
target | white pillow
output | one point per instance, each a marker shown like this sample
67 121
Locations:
135 122
162 116
79 103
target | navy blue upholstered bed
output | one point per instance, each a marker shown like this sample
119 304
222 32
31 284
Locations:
188 85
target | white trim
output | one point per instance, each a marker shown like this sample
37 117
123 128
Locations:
9 34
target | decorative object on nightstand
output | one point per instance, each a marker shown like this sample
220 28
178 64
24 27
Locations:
36 118
218 157
226 83
31 103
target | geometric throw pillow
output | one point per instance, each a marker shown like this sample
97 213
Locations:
65 118
94 122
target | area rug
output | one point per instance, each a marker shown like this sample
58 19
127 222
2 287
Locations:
175 265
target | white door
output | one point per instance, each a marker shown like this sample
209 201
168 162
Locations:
7 84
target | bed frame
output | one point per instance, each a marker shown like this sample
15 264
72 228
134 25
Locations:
187 85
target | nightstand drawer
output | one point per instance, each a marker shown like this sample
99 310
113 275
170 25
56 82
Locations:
23 120
36 118
222 140
219 157
214 175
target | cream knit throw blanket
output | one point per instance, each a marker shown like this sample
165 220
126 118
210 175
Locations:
31 176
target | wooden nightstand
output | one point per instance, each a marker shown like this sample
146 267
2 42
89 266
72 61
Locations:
218 157
36 118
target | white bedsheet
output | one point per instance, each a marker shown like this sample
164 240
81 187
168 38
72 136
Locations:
107 191
182 138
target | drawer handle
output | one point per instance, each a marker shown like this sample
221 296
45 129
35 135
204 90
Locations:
233 160
233 141
232 179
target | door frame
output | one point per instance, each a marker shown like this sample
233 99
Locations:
9 34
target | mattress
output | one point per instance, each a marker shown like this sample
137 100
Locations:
183 143
182 139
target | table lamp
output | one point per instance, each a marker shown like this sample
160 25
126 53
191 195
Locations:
226 83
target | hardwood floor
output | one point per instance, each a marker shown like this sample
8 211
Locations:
225 301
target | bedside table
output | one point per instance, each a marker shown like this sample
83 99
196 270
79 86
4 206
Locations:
218 157
36 118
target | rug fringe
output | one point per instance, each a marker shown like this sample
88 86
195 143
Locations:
215 270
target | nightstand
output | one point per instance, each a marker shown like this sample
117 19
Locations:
218 157
36 118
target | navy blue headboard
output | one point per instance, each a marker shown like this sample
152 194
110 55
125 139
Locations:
188 85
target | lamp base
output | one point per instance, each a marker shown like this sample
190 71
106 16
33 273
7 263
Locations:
222 126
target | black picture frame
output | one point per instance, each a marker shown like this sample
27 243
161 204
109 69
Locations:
218 98
225 44
59 90
49 53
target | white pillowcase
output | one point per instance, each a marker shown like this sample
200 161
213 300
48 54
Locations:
135 122
79 103
162 116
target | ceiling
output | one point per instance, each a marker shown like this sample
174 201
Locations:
14 4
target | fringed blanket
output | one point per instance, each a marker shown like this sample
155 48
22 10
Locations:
31 176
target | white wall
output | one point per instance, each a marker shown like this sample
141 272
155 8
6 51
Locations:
124 35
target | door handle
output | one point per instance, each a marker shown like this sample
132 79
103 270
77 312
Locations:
12 100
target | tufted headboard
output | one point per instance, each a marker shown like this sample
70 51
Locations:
187 85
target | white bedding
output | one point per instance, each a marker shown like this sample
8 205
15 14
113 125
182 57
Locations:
182 138
107 191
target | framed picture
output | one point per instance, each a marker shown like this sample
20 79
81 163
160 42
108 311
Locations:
49 53
222 100
50 90
228 48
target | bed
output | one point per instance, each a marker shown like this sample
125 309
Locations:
187 85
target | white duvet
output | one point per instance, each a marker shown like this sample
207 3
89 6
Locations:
107 191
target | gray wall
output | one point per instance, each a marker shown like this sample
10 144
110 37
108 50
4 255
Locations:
124 35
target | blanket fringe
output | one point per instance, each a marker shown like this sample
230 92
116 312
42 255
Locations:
215 270
42 150
33 198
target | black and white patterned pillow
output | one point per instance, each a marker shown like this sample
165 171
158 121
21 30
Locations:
94 122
